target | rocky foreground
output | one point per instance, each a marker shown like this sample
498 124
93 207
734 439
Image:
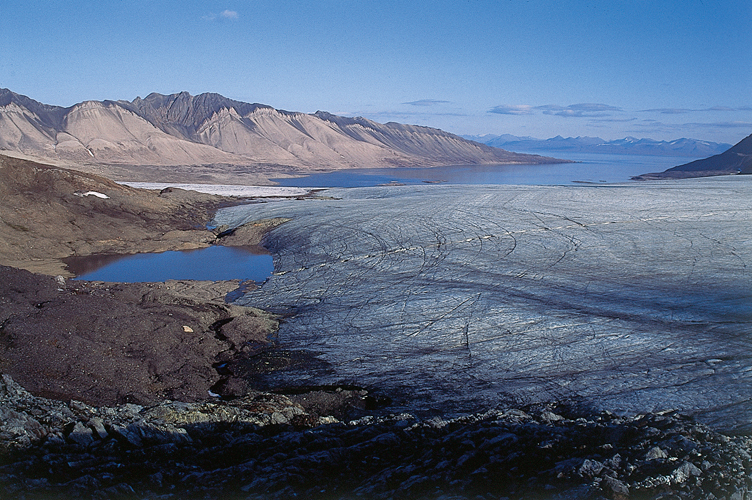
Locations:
108 343
266 446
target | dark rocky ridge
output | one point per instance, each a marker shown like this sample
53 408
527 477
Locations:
49 117
736 160
183 114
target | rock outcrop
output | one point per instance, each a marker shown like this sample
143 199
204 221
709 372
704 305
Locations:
108 343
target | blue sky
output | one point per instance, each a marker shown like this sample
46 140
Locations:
644 68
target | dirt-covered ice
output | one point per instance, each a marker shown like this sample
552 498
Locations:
226 189
634 297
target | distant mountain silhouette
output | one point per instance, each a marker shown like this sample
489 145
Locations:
209 129
737 160
629 145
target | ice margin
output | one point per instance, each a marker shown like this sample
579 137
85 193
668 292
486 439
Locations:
226 189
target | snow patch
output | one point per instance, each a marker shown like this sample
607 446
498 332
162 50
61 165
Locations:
92 193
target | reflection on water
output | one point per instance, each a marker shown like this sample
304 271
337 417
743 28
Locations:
590 168
213 264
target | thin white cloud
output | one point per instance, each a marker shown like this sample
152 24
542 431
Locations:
426 102
668 111
614 120
734 124
514 109
225 15
408 114
590 107
584 110
681 111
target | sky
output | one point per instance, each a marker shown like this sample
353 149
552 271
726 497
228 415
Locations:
658 69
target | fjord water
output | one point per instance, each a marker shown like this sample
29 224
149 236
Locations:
213 264
590 168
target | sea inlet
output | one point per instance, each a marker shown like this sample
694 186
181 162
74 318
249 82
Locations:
629 297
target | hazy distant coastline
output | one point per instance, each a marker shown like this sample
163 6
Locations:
628 146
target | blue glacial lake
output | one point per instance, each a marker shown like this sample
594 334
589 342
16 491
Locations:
591 168
213 263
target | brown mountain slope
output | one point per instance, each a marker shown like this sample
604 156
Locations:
227 137
95 132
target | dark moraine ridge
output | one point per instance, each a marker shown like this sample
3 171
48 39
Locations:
264 446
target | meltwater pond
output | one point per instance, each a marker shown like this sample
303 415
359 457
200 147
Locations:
214 263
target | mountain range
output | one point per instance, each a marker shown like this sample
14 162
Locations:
628 146
212 130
